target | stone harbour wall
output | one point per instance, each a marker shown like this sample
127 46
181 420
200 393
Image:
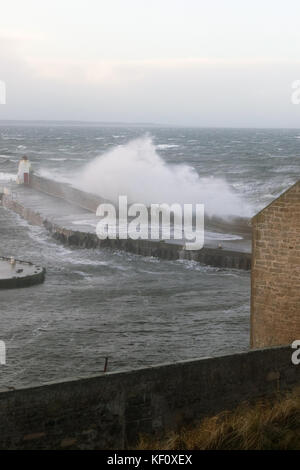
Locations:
160 249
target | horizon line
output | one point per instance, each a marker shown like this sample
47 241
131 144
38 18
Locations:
133 124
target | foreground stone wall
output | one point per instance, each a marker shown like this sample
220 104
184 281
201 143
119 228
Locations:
275 299
111 410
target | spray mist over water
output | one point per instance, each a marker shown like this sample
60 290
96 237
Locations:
139 172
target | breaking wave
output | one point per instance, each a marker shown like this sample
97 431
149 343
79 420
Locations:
139 172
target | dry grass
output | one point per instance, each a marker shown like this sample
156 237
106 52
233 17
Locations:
268 424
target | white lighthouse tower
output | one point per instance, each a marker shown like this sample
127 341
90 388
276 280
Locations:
24 171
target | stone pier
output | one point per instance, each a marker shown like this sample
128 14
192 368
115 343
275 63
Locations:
69 215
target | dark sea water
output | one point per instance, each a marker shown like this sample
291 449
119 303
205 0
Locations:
137 311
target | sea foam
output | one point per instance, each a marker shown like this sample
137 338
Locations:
139 172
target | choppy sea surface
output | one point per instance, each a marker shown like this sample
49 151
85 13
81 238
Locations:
137 311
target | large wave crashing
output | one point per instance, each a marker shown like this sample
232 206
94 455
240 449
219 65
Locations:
139 172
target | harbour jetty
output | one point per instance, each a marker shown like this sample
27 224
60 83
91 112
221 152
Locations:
72 221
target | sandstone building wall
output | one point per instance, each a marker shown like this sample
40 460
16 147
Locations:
275 276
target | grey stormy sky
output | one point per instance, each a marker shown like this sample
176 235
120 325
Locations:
187 62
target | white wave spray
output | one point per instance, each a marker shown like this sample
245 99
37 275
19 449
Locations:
138 171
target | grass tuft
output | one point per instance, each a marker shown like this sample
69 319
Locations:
269 424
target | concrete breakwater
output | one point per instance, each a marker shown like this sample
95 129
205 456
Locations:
230 256
66 192
110 411
240 226
88 239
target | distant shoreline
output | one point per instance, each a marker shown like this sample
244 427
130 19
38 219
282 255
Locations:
66 123
42 122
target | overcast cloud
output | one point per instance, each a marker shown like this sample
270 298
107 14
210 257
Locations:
189 62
